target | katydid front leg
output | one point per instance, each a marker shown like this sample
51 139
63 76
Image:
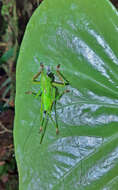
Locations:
37 75
61 77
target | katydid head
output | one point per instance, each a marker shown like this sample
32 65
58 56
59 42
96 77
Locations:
51 76
41 65
48 70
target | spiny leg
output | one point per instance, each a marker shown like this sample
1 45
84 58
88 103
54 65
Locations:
61 77
57 128
44 128
43 120
37 75
55 124
41 126
41 116
60 95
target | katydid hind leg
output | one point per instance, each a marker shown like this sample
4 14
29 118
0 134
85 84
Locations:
60 95
41 116
57 128
45 122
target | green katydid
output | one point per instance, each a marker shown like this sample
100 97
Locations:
49 95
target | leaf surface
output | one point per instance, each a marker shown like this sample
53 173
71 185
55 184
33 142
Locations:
82 37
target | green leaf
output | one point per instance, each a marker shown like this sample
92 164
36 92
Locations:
83 37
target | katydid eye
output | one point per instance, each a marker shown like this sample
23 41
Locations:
48 73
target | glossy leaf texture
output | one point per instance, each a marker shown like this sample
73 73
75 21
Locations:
82 36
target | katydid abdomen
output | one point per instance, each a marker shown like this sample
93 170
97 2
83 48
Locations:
48 93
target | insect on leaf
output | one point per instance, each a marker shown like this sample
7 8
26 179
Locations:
81 36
